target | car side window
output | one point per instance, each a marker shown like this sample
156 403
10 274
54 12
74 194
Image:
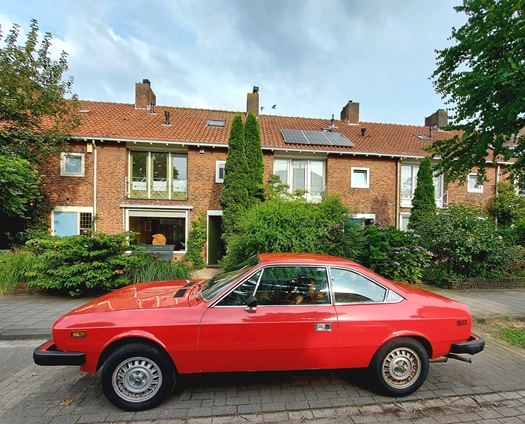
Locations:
351 287
293 285
239 296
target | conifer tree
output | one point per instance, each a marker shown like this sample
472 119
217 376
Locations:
424 201
234 196
254 158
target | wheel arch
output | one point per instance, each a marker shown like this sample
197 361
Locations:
116 344
423 340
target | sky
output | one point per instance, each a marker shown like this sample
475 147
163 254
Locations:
308 57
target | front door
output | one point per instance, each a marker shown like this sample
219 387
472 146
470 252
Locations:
293 326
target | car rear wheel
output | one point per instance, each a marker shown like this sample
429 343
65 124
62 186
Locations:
400 366
137 377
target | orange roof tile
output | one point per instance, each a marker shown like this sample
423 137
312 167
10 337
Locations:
124 122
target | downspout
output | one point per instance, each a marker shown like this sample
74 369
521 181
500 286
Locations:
398 191
94 185
496 193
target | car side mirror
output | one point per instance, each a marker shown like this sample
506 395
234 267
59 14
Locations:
251 302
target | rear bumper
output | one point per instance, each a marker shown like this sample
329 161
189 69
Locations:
472 346
48 354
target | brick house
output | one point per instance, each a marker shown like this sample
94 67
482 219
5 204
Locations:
154 169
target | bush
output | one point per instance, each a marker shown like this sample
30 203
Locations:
196 241
281 225
151 269
15 267
81 264
394 254
465 243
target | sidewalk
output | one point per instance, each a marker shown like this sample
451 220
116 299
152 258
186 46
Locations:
31 317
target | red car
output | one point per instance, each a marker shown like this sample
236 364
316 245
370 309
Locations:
282 311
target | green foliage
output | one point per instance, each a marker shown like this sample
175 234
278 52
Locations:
424 201
151 269
254 158
196 241
482 77
35 115
234 194
514 336
79 264
19 185
507 206
394 254
15 267
465 243
281 225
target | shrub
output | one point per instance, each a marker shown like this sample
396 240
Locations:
151 269
196 241
15 267
465 243
282 225
394 254
80 264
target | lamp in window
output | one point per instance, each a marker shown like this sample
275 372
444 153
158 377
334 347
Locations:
201 151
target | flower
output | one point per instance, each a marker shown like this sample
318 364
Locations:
397 263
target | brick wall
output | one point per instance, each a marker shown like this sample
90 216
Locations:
485 283
379 199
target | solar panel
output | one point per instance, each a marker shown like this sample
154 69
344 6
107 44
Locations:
316 138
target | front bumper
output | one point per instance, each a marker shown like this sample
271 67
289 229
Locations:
472 346
48 354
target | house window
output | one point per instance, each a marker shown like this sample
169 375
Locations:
72 164
409 183
158 175
302 174
403 221
473 186
172 224
360 178
219 171
72 221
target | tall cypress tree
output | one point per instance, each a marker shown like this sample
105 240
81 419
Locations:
254 157
234 197
424 201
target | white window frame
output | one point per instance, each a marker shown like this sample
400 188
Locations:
218 166
353 183
308 170
64 156
71 209
406 202
475 188
404 218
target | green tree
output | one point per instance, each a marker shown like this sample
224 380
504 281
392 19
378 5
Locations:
254 157
424 201
482 78
35 114
234 197
507 206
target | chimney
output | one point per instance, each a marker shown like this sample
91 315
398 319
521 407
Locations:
437 119
144 95
252 103
350 113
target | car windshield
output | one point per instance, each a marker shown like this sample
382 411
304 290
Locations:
220 281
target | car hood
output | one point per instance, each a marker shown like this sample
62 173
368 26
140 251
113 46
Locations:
159 294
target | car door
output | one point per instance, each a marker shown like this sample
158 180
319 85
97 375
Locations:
293 326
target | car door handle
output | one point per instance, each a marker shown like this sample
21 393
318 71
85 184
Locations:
322 327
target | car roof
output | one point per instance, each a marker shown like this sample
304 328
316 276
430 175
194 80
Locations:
303 258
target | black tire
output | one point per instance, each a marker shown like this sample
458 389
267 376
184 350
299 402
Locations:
137 377
400 367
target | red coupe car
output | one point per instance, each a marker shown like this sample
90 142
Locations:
282 311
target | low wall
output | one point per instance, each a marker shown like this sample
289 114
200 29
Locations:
485 283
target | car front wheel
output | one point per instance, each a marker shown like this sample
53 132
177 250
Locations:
137 377
400 366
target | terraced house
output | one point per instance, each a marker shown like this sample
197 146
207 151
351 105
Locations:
154 169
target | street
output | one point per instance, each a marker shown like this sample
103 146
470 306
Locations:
493 386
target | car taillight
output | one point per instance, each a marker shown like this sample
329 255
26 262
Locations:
461 322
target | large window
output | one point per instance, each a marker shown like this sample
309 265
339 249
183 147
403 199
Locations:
171 224
409 183
158 175
302 174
